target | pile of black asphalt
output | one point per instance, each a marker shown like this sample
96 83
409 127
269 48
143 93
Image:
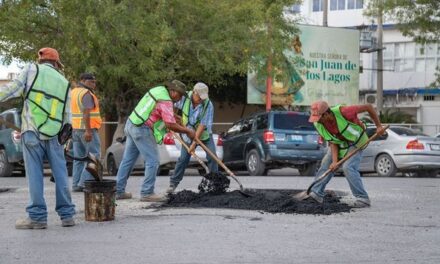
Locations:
263 200
214 183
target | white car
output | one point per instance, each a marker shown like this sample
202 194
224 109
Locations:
169 152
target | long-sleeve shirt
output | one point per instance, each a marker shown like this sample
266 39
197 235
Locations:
19 88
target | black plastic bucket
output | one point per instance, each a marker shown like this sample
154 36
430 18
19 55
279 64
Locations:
99 200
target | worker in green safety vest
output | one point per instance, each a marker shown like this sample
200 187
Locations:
197 114
341 128
145 128
46 110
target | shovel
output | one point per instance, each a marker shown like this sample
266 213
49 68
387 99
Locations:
305 194
192 153
223 166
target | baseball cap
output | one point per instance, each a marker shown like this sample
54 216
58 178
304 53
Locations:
177 86
49 54
317 109
87 76
202 90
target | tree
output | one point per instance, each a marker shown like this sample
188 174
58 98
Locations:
418 19
132 45
389 116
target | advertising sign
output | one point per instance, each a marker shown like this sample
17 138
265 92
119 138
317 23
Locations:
322 64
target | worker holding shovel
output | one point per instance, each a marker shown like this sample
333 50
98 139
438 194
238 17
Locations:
46 111
197 114
145 128
340 126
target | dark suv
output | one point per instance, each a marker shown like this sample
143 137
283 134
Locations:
11 154
273 140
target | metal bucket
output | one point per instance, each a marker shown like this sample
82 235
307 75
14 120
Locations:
99 200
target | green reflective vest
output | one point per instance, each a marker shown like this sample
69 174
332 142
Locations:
353 133
142 111
47 97
185 116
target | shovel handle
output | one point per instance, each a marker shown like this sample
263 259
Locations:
10 125
344 159
192 153
219 162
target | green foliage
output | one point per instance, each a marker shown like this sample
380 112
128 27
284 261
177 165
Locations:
418 19
389 116
132 45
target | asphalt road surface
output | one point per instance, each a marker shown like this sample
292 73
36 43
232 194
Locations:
402 226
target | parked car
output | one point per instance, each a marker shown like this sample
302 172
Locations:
11 153
169 152
275 139
401 149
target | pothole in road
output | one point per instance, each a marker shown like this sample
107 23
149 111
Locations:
266 200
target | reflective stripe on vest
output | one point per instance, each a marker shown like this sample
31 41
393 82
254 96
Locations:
353 133
185 115
47 97
77 108
146 105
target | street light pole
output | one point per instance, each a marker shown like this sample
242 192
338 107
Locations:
325 13
379 96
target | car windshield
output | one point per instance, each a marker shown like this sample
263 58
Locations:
404 131
292 121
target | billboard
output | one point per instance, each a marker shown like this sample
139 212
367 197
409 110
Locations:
322 64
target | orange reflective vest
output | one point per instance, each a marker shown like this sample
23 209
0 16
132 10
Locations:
77 108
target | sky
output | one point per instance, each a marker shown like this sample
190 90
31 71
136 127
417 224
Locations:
5 69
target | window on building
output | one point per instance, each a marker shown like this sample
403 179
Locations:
359 4
295 8
429 98
412 57
337 4
420 65
318 5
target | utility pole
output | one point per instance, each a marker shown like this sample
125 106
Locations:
379 96
324 13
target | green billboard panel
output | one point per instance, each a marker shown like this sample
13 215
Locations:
322 64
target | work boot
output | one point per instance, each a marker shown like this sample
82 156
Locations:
361 203
28 223
124 195
153 198
67 222
316 197
77 189
171 189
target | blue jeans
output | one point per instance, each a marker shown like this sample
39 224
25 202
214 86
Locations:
34 153
80 149
185 157
140 139
351 172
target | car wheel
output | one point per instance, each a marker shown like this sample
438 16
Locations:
111 165
164 172
254 164
308 169
5 167
385 166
